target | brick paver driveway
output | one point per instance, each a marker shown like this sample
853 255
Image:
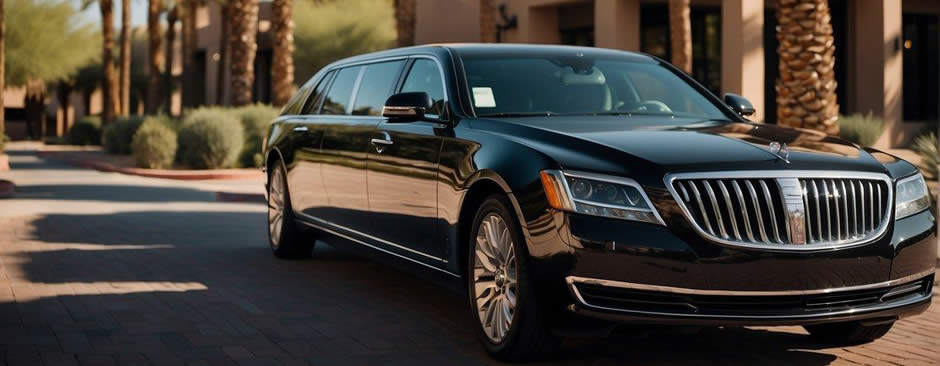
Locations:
104 269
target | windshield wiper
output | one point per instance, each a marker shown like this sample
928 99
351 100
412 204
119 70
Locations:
518 114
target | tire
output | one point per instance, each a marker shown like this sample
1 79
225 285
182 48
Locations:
285 239
850 333
526 337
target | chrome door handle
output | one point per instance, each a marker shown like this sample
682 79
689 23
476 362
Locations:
300 129
380 144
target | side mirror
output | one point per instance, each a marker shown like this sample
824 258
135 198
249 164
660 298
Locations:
739 104
407 107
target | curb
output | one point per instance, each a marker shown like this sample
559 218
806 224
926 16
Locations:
239 197
225 174
7 189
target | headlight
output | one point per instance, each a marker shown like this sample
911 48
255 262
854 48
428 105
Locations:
912 196
598 195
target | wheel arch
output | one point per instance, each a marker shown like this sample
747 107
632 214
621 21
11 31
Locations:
480 185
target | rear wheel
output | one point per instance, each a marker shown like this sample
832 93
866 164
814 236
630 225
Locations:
500 289
285 239
849 333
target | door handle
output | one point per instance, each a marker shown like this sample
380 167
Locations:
380 144
300 129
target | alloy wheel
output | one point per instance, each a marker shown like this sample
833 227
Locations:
276 207
495 277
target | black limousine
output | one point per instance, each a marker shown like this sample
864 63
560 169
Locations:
564 186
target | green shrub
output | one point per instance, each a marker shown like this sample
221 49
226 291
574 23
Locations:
154 144
926 146
116 137
255 120
87 131
210 139
170 122
862 129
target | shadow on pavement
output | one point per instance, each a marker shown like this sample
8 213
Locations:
202 286
114 193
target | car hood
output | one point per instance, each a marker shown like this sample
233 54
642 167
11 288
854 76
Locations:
668 145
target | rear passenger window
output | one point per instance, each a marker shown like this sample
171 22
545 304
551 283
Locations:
341 92
426 77
375 87
313 102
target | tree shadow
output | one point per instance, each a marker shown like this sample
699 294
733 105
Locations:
202 286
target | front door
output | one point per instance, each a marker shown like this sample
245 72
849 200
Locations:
402 171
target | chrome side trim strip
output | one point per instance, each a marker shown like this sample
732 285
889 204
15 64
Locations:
688 291
370 237
357 241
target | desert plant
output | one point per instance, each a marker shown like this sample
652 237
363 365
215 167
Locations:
255 119
154 145
926 146
116 136
87 131
210 140
862 129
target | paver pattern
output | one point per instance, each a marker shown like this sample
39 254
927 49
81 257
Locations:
105 269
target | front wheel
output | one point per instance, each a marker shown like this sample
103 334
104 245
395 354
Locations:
850 333
285 239
501 292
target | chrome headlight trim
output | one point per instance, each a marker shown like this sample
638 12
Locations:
915 205
569 203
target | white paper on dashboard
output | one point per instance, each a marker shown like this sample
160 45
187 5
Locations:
483 97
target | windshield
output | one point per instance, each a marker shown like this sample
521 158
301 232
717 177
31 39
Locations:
523 86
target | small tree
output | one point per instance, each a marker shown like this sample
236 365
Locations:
44 43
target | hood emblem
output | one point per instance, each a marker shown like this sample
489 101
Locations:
781 151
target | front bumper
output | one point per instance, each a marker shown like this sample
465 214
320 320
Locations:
631 302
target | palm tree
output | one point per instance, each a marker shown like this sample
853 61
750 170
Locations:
243 45
806 88
109 84
680 30
282 73
223 53
155 46
405 22
125 70
171 17
188 9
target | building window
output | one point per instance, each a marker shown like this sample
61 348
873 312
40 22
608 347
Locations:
706 40
921 68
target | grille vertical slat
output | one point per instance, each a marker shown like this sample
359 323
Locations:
773 214
716 209
746 210
730 208
757 209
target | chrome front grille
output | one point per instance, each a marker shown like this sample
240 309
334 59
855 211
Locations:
785 210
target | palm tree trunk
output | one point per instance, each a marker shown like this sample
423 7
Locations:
154 8
171 17
244 46
189 52
125 72
806 88
282 74
33 104
405 22
108 85
488 21
680 29
224 56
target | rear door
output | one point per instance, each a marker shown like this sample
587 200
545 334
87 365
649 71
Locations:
346 142
402 169
307 193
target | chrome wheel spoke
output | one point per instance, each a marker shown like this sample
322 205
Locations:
495 277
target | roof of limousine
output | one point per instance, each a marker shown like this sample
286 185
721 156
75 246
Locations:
500 49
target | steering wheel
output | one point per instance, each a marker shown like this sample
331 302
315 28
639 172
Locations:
649 106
